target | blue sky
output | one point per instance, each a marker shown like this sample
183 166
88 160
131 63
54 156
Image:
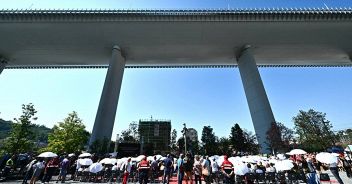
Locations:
197 97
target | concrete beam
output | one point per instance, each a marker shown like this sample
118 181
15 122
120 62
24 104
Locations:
105 117
258 103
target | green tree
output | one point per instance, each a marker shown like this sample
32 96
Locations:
250 142
237 138
208 140
173 142
21 133
68 136
314 130
279 137
131 135
102 146
224 146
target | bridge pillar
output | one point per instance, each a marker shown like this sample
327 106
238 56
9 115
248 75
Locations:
3 64
259 106
105 117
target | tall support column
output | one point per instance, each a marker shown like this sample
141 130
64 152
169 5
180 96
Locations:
105 117
259 106
3 64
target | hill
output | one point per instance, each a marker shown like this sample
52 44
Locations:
41 132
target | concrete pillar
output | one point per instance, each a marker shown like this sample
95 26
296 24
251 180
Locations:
105 117
3 64
257 100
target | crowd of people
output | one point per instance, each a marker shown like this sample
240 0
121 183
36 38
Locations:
188 168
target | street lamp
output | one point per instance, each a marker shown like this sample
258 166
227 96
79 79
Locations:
184 131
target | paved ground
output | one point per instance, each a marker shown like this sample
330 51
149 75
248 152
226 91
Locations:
343 175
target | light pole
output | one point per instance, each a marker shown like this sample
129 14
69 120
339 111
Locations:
116 143
184 131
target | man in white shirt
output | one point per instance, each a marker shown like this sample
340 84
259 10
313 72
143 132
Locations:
215 171
126 169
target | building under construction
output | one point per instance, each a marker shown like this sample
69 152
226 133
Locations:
155 136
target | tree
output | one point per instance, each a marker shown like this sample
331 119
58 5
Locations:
224 144
21 133
208 140
192 145
68 136
131 135
279 137
314 130
173 142
102 146
250 142
237 138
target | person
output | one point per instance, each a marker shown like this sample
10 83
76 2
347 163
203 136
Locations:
64 166
9 166
188 166
335 171
50 169
215 171
206 170
227 170
180 169
197 168
167 169
346 165
143 169
38 168
155 169
126 170
310 172
29 171
114 173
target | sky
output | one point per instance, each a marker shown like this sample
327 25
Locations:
197 97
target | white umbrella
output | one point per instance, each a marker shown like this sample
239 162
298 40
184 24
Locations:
140 158
110 161
326 158
273 161
85 161
96 167
297 152
220 160
240 168
47 155
150 158
235 160
283 165
281 156
71 155
121 161
84 155
158 157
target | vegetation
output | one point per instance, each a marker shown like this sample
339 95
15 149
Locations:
131 135
279 137
68 136
311 129
314 131
21 133
208 141
173 142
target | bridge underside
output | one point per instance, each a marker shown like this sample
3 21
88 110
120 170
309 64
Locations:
180 43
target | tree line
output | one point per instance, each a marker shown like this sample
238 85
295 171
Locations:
312 132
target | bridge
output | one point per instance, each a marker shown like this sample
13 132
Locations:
118 39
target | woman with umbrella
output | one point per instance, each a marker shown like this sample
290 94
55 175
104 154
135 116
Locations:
38 168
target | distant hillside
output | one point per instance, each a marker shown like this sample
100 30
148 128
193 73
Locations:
5 128
41 132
